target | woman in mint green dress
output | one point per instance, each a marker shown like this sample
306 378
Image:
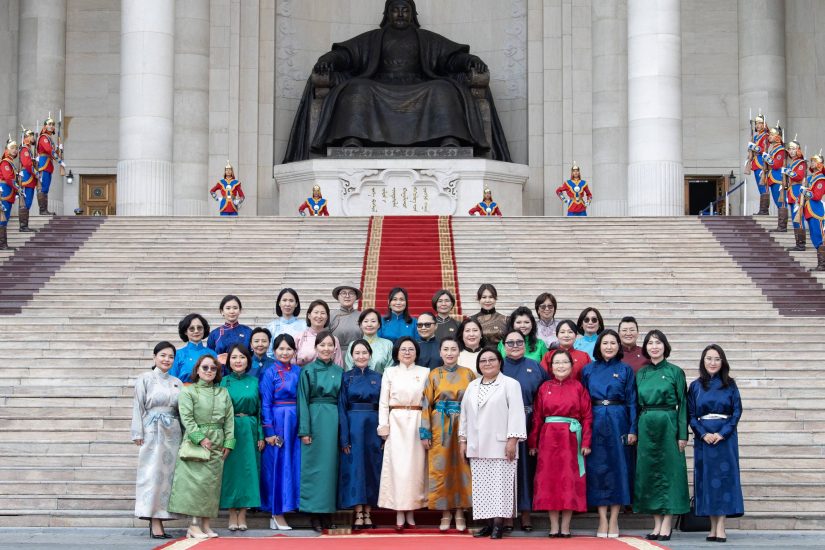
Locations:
209 420
241 470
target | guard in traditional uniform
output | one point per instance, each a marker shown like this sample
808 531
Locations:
796 171
487 207
575 193
814 209
316 205
47 156
774 159
228 192
757 146
28 179
8 188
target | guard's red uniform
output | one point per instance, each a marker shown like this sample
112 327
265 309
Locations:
485 209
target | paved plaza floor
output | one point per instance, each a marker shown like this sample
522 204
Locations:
137 539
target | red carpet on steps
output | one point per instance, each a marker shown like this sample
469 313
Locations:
412 542
414 252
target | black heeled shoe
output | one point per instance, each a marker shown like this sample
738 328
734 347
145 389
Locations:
163 535
483 532
497 532
652 536
555 535
316 524
721 539
710 539
565 535
667 537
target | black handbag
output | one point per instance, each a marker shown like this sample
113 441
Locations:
689 522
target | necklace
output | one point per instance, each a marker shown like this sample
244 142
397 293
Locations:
488 383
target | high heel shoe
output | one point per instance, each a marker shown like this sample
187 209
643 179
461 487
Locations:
358 524
461 524
666 537
274 524
368 524
192 534
652 536
445 524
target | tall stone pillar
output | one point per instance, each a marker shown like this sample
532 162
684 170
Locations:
761 71
191 130
147 60
9 39
655 172
41 81
609 42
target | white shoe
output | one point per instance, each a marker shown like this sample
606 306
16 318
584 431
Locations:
613 535
275 526
601 535
194 532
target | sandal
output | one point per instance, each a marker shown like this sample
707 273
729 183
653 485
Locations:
359 520
368 524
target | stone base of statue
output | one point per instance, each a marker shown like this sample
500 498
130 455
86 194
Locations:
405 184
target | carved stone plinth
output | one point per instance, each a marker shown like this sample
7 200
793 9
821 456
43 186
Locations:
366 187
400 152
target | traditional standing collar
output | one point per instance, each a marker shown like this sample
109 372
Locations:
450 369
160 374
237 375
490 311
231 325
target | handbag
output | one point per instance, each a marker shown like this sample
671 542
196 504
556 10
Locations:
689 522
191 452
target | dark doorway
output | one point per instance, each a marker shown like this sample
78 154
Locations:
700 191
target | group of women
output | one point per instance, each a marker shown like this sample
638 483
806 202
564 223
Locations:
498 414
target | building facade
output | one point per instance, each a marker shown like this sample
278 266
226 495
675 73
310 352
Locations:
644 94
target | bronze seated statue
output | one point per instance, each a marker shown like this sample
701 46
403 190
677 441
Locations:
398 86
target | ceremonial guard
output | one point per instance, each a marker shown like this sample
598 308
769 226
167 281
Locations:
575 193
487 207
47 155
316 205
755 164
228 192
774 160
8 188
28 180
795 171
814 209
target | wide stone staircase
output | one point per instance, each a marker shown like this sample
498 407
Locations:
72 353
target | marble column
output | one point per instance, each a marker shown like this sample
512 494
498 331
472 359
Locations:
191 130
609 42
9 39
655 174
147 61
41 81
761 71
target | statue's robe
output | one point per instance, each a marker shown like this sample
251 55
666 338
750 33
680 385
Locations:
391 94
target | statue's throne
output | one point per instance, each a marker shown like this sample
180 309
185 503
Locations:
475 81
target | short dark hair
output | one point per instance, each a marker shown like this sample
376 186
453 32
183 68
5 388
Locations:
260 330
400 341
488 349
449 339
244 350
162 345
283 291
460 333
218 374
406 313
439 294
724 371
569 323
428 313
556 352
659 335
360 342
628 319
530 340
230 298
284 337
321 336
486 286
583 314
313 305
543 297
597 350
183 326
367 312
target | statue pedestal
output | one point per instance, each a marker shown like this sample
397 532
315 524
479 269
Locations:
412 186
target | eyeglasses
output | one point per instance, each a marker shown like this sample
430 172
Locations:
194 329
489 361
406 350
561 363
205 368
425 325
545 307
346 293
713 359
514 343
591 319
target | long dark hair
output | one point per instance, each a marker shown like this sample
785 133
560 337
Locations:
406 314
724 371
597 351
460 334
530 340
583 314
283 291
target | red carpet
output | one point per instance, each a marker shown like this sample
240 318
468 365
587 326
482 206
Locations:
414 252
413 542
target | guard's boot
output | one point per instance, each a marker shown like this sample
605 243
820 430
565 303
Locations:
799 236
764 204
4 243
23 214
820 259
43 203
781 221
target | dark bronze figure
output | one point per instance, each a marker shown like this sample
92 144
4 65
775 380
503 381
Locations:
400 86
